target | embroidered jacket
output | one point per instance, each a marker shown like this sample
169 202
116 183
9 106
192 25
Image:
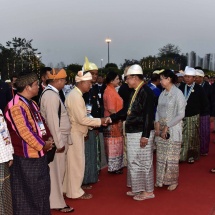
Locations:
25 133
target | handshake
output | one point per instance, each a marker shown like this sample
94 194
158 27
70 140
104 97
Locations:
105 121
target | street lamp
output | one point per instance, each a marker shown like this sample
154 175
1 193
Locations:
37 63
108 40
101 65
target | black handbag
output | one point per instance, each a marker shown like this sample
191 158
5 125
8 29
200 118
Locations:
51 154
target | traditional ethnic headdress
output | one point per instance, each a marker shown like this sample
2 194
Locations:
89 66
83 76
56 74
134 70
190 71
199 72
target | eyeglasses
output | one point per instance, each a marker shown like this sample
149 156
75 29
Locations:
129 77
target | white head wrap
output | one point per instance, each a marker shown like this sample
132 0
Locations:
180 74
199 72
190 71
83 76
134 70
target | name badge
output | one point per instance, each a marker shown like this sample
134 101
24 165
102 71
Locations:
4 134
98 104
42 128
89 110
1 118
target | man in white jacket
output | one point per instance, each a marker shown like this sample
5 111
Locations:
80 123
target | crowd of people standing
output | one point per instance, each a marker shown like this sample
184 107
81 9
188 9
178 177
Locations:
50 142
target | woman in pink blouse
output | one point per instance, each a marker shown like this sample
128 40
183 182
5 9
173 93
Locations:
113 134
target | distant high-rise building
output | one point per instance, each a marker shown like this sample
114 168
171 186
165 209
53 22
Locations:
199 61
191 59
212 62
206 61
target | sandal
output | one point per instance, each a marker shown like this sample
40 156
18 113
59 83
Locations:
130 193
172 187
66 209
86 196
156 185
191 160
86 187
142 197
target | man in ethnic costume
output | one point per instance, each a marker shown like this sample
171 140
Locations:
138 128
57 119
30 180
180 80
197 102
205 116
80 123
92 142
6 157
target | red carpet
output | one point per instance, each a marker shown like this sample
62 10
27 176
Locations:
195 194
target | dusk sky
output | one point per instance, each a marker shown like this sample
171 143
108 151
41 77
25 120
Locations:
69 30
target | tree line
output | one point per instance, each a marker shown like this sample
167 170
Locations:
20 53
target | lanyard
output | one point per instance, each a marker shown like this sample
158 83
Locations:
90 91
203 84
33 110
36 115
134 97
187 94
56 91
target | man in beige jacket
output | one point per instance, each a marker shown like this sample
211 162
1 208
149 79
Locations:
55 114
80 123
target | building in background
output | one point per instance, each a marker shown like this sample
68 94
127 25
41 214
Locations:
207 62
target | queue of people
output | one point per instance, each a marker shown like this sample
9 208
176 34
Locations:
50 147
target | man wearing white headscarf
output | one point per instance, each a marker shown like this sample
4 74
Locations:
180 80
196 104
80 123
205 116
138 129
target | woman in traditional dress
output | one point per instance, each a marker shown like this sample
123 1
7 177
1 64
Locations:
168 129
113 134
6 157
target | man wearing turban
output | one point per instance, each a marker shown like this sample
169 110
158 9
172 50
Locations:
53 110
92 142
80 123
197 103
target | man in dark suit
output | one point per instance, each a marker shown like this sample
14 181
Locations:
5 95
207 114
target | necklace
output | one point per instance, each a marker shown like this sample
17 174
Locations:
134 97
